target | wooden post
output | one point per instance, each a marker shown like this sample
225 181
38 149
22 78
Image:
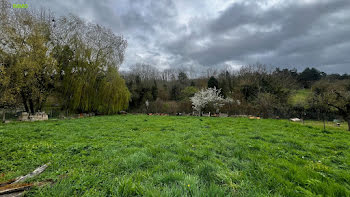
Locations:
324 122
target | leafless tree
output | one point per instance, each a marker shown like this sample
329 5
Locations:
145 71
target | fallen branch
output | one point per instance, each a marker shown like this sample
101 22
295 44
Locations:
14 194
15 188
20 187
32 174
7 182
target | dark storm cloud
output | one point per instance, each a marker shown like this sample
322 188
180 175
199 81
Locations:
169 33
299 34
146 16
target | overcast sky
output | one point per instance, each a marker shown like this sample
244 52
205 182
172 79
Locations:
221 33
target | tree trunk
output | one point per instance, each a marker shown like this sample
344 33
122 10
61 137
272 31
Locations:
349 124
31 105
26 106
3 115
24 100
40 106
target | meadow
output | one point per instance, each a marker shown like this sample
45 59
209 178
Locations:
139 155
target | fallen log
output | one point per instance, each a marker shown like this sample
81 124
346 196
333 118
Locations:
7 182
12 188
18 188
32 174
14 194
15 187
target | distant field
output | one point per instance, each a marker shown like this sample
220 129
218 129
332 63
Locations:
138 155
300 96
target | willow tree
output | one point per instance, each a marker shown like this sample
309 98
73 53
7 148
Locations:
113 95
89 57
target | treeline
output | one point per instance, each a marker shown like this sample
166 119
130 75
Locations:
66 62
269 93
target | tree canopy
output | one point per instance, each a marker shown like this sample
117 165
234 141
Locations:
75 61
334 95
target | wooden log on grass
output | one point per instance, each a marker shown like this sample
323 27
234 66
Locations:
7 182
15 187
32 174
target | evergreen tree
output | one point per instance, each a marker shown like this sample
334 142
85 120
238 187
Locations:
213 82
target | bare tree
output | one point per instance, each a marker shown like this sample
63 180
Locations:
169 74
335 95
145 71
211 72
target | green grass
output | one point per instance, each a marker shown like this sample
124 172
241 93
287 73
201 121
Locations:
329 125
300 96
137 155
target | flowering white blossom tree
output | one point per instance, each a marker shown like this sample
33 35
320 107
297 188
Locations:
208 96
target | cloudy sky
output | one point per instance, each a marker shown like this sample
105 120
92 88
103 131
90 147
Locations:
223 33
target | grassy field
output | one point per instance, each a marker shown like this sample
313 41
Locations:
137 155
329 125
